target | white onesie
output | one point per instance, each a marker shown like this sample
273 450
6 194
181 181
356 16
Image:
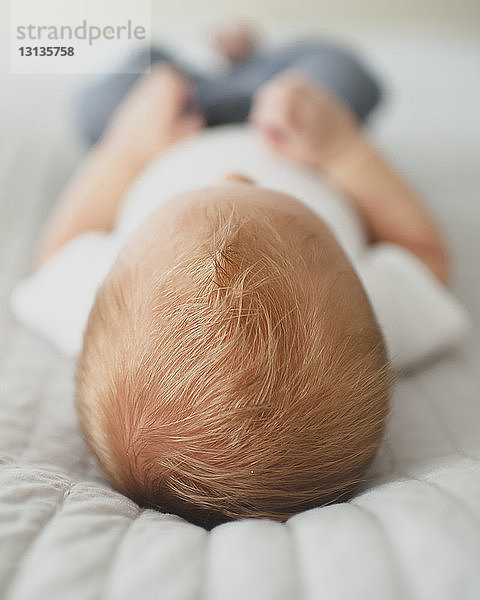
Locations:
419 317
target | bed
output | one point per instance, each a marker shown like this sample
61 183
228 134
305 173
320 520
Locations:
411 532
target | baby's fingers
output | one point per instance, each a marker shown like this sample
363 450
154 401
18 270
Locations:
273 119
189 125
175 89
193 123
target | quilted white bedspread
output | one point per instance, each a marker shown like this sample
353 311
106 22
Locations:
412 533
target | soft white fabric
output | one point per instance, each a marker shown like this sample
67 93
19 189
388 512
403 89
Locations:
419 317
56 299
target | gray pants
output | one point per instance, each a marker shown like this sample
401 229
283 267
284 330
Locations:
227 98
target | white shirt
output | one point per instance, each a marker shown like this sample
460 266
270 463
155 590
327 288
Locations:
419 317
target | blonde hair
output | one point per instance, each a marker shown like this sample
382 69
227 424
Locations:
235 384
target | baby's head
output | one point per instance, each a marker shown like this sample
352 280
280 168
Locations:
232 366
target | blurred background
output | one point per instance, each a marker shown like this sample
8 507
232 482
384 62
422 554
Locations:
448 14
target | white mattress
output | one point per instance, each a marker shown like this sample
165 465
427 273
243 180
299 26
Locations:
412 532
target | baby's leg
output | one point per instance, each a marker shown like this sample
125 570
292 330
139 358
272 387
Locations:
336 68
95 106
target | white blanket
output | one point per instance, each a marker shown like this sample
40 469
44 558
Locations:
412 532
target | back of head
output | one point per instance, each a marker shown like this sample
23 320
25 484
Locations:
238 382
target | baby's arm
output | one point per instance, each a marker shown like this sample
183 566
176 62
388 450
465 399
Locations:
91 199
305 123
151 118
390 208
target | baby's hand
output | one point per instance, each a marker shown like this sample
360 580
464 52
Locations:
154 115
301 120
